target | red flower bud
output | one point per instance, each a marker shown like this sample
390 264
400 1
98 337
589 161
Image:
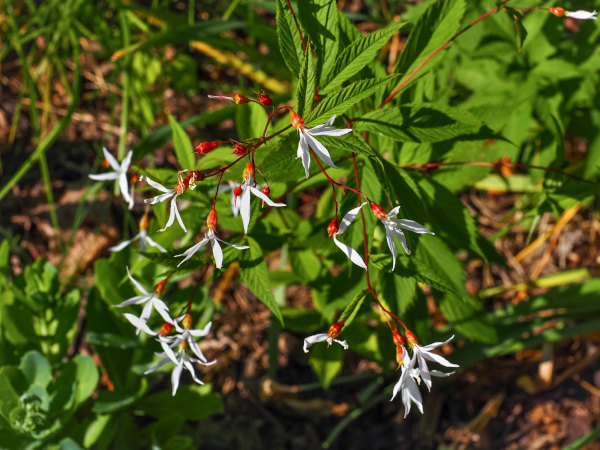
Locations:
397 338
333 227
211 220
187 321
240 99
134 178
205 147
557 11
264 99
165 329
237 191
105 163
248 171
378 211
266 190
296 120
160 287
239 150
411 338
335 330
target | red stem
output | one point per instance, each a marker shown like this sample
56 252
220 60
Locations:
297 25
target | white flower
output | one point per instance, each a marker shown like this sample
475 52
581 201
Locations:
307 140
230 186
120 173
582 15
392 228
349 251
423 354
408 384
329 337
211 238
151 302
167 193
182 340
144 239
249 187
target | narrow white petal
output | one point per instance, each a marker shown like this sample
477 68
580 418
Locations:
350 253
320 151
389 235
172 214
394 212
122 245
437 373
126 161
157 366
582 15
402 238
162 309
237 247
310 340
413 226
168 350
342 343
104 176
139 324
175 376
133 301
245 208
201 332
304 153
191 370
217 253
266 199
429 347
147 310
124 187
349 218
438 359
179 219
424 370
159 198
111 160
158 186
154 244
193 249
131 196
196 349
221 97
136 283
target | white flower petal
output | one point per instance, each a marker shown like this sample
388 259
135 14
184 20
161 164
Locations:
157 366
159 198
201 332
413 226
158 186
217 253
193 249
402 238
349 218
245 208
265 199
237 247
111 160
124 187
350 253
311 340
154 244
122 245
393 212
104 176
173 202
320 151
133 301
136 283
389 235
139 324
175 376
191 370
304 153
582 15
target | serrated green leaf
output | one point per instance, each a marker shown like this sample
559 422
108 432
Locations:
307 82
290 44
357 55
350 143
183 145
437 25
342 100
254 273
351 310
422 123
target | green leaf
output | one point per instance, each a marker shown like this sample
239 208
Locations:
183 145
351 310
326 362
436 26
290 44
192 402
254 273
36 369
350 143
342 100
357 55
422 123
307 82
250 120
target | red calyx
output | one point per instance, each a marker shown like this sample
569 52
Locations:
239 150
211 220
165 329
240 99
296 120
160 287
378 211
397 338
265 100
248 171
237 191
134 178
266 190
411 338
557 11
187 321
143 223
335 330
205 147
333 227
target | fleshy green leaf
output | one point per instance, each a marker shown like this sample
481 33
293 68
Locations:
36 369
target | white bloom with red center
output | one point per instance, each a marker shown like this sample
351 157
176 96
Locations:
167 193
120 173
582 15
334 230
423 354
408 385
329 337
142 236
183 340
210 237
151 301
308 141
249 187
392 228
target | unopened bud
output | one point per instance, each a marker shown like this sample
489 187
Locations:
211 220
239 150
266 190
205 147
165 329
399 355
296 120
265 100
411 338
557 11
134 178
397 338
160 287
143 225
378 211
333 227
248 171
237 191
335 330
187 321
240 99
